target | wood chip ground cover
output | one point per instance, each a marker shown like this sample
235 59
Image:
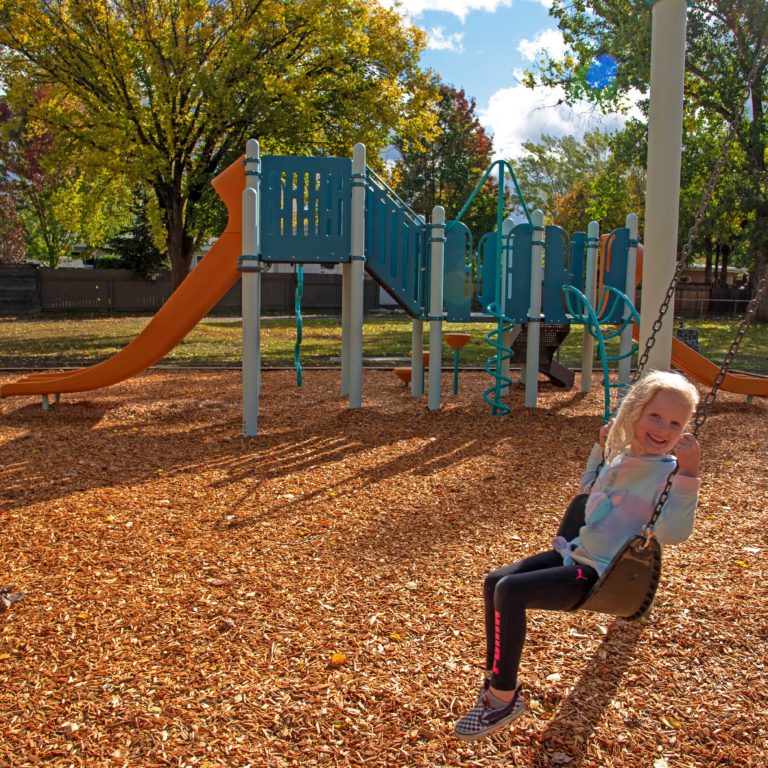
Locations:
312 596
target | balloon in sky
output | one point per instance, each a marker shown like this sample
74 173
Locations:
602 71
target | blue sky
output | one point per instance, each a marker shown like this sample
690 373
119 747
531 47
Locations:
484 46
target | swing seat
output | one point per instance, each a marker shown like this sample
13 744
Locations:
628 586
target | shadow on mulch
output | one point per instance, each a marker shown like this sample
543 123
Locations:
580 713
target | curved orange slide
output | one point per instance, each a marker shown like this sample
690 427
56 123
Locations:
700 368
703 370
188 304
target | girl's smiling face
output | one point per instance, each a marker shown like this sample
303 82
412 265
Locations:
661 424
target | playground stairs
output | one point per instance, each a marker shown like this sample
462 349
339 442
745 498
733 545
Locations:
552 336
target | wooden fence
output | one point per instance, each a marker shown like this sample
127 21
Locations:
29 289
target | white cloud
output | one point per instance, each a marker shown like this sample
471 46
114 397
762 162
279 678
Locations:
548 41
459 8
519 114
439 41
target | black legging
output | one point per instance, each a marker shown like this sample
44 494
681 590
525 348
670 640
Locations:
541 581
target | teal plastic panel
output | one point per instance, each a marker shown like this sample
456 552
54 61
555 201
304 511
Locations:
396 246
578 259
457 280
557 273
487 271
305 209
518 278
615 272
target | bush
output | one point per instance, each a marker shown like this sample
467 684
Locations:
108 261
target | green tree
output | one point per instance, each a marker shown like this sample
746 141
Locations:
444 170
168 91
552 167
57 204
12 248
135 244
725 40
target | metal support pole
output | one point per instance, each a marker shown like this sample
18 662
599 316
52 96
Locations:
455 371
356 277
665 131
417 361
250 266
590 288
534 312
437 253
346 281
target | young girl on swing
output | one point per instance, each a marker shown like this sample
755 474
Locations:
640 448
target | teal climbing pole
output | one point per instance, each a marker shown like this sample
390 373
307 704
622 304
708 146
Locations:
299 322
613 302
497 252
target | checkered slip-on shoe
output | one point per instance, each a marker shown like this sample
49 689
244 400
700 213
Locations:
483 720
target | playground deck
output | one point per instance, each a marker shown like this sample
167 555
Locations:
187 587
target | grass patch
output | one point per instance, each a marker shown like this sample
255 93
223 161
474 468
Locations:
217 341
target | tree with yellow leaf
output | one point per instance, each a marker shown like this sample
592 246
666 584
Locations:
167 91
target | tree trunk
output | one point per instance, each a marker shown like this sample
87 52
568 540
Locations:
761 260
716 275
180 243
726 251
708 261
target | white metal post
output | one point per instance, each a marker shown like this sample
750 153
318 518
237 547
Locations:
590 289
250 266
534 312
437 254
665 130
346 282
417 359
356 277
625 340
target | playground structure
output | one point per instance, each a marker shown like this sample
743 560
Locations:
336 210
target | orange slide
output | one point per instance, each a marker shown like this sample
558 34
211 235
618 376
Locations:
688 360
698 367
703 370
190 302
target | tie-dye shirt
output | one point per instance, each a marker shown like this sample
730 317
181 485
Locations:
621 502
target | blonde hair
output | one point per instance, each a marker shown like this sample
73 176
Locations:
639 395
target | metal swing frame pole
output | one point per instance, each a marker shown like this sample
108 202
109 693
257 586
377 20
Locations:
665 136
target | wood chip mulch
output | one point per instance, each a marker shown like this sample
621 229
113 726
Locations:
313 596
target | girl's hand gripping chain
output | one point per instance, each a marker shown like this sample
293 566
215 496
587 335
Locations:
688 452
604 430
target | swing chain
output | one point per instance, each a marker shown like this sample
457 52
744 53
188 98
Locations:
706 199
